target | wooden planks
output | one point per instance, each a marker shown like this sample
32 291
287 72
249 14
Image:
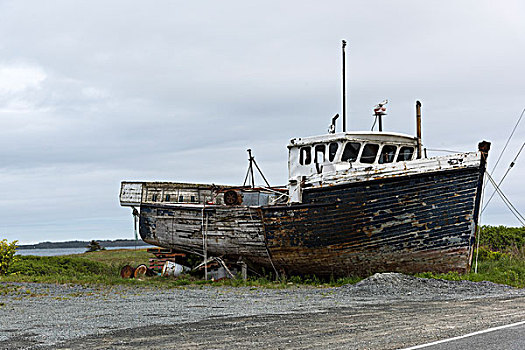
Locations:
419 223
161 256
233 232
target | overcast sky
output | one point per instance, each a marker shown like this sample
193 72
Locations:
96 92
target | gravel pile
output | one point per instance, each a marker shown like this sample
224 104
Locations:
400 286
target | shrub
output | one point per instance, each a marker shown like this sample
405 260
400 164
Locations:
488 255
94 246
502 238
7 255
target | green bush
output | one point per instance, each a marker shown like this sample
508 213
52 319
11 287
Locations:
7 255
486 254
502 238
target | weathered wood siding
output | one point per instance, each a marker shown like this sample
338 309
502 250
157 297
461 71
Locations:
415 223
231 231
138 193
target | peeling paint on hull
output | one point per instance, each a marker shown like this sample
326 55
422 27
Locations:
416 223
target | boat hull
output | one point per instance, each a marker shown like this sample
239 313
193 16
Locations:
233 232
423 222
415 223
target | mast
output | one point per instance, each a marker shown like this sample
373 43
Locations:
344 85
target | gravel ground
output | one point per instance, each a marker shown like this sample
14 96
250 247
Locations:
70 316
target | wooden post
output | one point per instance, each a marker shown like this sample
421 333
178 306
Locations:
204 226
244 270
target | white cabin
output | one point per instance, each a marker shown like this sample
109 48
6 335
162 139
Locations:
332 153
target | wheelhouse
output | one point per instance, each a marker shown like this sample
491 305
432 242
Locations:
342 151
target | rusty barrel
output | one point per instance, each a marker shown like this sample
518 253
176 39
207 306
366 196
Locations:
127 272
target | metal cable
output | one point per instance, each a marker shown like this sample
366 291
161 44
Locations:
508 140
507 202
503 178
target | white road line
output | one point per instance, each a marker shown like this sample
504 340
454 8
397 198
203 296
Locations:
466 335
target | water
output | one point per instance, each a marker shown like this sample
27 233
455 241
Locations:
66 251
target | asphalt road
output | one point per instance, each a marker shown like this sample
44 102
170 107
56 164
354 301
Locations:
384 311
387 326
508 337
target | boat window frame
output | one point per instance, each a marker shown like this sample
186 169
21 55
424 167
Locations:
307 159
381 154
332 155
399 153
375 153
316 152
358 154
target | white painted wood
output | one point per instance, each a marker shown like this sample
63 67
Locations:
130 193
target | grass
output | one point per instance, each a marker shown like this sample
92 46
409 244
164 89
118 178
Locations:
497 267
117 257
103 267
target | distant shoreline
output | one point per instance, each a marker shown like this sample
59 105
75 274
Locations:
83 244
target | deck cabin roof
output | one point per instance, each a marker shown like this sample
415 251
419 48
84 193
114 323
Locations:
373 136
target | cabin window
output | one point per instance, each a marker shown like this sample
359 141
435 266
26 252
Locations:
388 154
319 154
350 152
192 199
405 153
154 197
332 150
181 198
167 198
369 153
305 156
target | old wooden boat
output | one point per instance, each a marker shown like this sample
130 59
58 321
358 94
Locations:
355 203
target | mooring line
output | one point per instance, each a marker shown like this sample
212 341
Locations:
508 140
265 244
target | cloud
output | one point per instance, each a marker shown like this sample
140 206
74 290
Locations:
94 93
19 78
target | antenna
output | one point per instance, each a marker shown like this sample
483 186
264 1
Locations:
344 86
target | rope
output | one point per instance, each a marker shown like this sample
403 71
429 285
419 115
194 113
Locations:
478 228
135 214
508 140
266 246
503 178
507 202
